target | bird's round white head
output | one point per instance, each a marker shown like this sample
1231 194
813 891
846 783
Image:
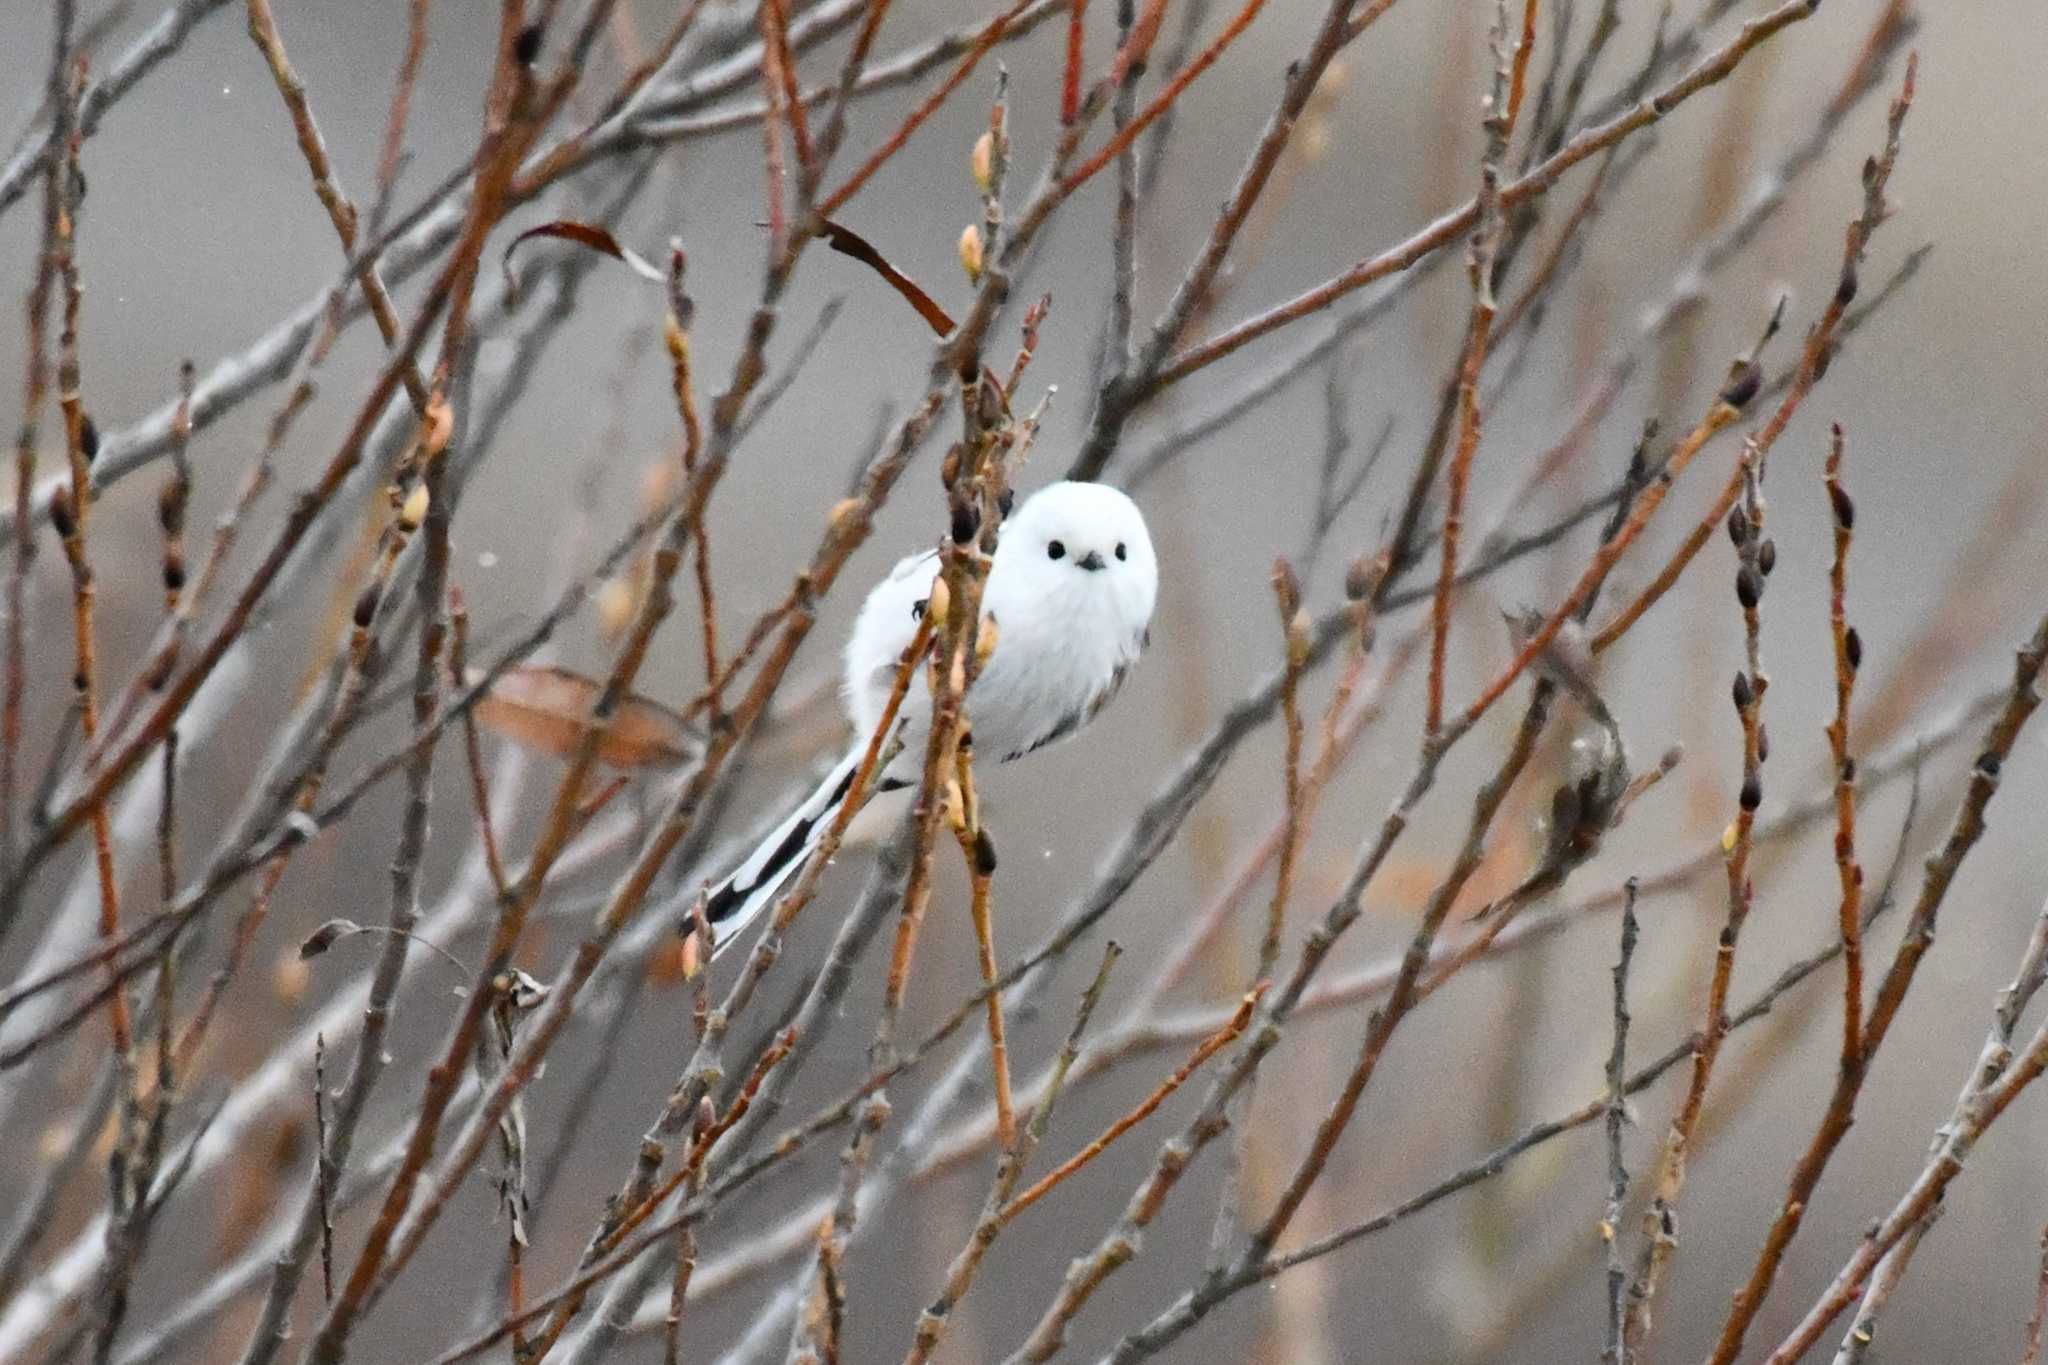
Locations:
1083 542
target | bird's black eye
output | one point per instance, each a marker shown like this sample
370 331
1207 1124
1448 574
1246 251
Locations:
917 608
1120 550
1056 550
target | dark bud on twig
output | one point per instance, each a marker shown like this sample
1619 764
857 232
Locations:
170 507
1823 360
61 519
966 521
88 438
1743 384
1287 590
1752 792
1749 588
174 573
1742 692
1738 525
1763 742
682 308
366 607
1852 649
984 854
1845 506
527 45
1358 579
1845 291
1005 501
1767 556
1989 764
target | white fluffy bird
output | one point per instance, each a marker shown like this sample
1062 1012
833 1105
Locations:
1071 590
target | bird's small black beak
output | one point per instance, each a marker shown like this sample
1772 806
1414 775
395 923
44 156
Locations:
1092 562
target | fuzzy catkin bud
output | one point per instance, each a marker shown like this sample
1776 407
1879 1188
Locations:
440 426
844 512
413 512
970 253
614 606
983 161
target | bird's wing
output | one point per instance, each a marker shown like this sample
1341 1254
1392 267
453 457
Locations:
886 625
1067 723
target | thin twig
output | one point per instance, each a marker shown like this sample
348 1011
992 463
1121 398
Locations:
1709 71
1231 1030
1617 1124
2032 1355
1983 1102
932 1323
1503 104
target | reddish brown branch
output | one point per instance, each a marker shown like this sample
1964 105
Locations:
1848 660
1503 103
2034 1323
1709 71
1869 1034
1208 1048
988 38
1160 103
1070 84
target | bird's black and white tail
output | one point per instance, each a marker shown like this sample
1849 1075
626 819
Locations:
752 886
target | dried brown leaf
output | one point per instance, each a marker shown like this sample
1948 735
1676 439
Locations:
847 242
548 709
583 234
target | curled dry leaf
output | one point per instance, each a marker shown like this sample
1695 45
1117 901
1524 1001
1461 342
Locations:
583 234
548 709
847 242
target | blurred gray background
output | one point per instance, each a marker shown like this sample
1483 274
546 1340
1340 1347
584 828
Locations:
200 230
